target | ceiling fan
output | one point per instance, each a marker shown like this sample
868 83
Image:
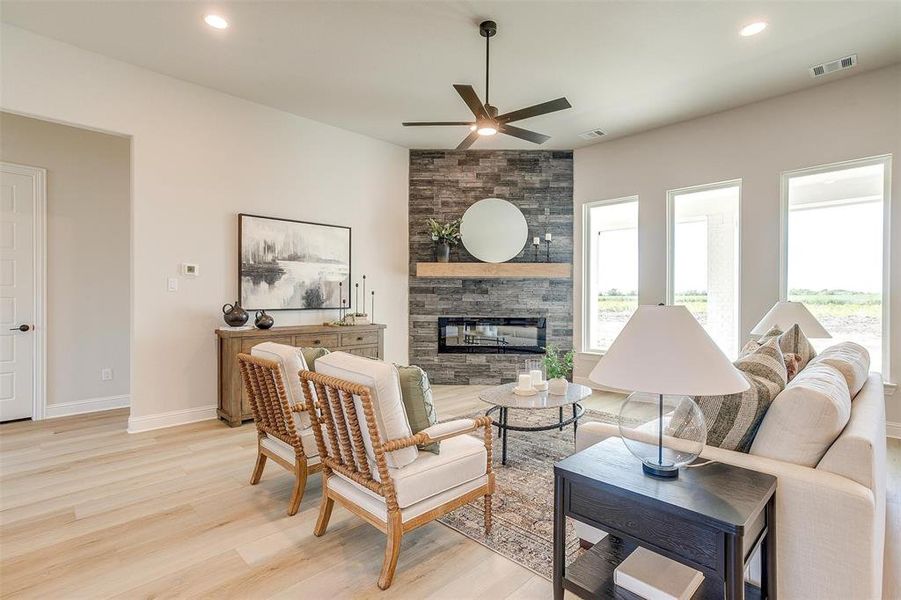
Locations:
488 122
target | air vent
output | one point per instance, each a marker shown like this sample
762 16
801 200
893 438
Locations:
833 66
592 134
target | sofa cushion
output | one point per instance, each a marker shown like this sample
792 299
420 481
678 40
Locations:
733 419
417 396
806 417
852 360
792 341
793 360
290 362
463 459
388 408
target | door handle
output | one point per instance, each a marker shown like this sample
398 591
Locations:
23 328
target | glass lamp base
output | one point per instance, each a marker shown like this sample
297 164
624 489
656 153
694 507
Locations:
661 471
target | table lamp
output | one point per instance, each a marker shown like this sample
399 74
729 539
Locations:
663 356
784 314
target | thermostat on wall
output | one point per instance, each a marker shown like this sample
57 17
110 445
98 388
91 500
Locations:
189 270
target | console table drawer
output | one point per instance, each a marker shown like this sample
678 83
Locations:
367 351
363 338
325 340
668 532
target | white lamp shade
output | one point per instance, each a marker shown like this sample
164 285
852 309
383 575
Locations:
785 314
664 350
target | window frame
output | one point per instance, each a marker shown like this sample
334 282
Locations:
587 263
671 250
886 161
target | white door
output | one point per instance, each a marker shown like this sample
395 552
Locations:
19 193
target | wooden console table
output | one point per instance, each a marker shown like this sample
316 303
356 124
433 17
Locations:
234 407
712 518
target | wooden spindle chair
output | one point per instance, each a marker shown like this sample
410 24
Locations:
274 419
338 425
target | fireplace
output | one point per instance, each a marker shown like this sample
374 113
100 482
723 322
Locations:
492 335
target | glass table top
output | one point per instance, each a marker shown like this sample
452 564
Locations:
503 395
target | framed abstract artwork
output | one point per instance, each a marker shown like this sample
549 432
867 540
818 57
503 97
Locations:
291 265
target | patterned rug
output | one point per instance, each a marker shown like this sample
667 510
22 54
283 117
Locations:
523 505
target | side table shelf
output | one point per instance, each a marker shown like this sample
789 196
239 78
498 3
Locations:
591 574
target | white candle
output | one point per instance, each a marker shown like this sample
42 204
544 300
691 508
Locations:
535 241
525 382
547 237
535 375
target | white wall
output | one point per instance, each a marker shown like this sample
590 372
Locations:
199 157
850 118
88 282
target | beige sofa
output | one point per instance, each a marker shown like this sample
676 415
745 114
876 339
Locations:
830 496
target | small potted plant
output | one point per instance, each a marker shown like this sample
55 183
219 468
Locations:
444 235
559 368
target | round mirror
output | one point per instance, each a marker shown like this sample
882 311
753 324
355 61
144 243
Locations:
493 230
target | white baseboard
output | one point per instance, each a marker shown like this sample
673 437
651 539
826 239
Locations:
171 419
89 405
893 430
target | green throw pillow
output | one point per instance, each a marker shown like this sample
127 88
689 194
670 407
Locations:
310 355
417 396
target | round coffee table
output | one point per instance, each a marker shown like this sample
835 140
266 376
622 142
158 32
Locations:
503 399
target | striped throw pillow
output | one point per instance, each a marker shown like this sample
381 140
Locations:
733 419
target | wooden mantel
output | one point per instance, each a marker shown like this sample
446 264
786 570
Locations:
508 270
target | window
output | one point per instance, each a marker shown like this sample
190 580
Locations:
703 254
611 269
833 250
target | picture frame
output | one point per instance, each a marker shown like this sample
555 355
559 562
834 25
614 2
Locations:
286 264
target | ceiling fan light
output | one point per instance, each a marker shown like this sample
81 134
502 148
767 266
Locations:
487 129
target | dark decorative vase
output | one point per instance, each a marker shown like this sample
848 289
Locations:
442 252
263 321
234 315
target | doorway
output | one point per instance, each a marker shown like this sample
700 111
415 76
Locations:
65 311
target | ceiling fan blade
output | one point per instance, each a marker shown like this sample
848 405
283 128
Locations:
468 141
472 101
534 111
523 134
437 123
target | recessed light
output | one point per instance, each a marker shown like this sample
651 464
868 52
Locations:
215 21
753 28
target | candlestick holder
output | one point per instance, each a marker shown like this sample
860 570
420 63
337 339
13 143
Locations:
548 242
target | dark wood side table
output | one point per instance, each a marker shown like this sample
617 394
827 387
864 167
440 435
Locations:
711 518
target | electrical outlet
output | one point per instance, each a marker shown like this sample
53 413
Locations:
172 284
106 374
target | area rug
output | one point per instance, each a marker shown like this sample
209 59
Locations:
523 506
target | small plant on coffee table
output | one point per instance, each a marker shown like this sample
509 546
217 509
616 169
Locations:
558 364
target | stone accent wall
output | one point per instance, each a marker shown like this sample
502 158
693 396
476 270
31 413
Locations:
443 184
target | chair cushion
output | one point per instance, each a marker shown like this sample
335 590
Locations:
375 505
463 458
852 361
804 420
307 440
388 408
417 396
311 355
290 363
733 419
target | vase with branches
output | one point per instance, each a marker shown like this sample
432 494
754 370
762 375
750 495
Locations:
444 235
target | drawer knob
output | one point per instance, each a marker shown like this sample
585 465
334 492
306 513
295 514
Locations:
359 338
317 341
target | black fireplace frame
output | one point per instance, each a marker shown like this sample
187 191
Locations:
539 323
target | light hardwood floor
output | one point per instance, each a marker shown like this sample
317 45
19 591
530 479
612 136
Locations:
89 511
